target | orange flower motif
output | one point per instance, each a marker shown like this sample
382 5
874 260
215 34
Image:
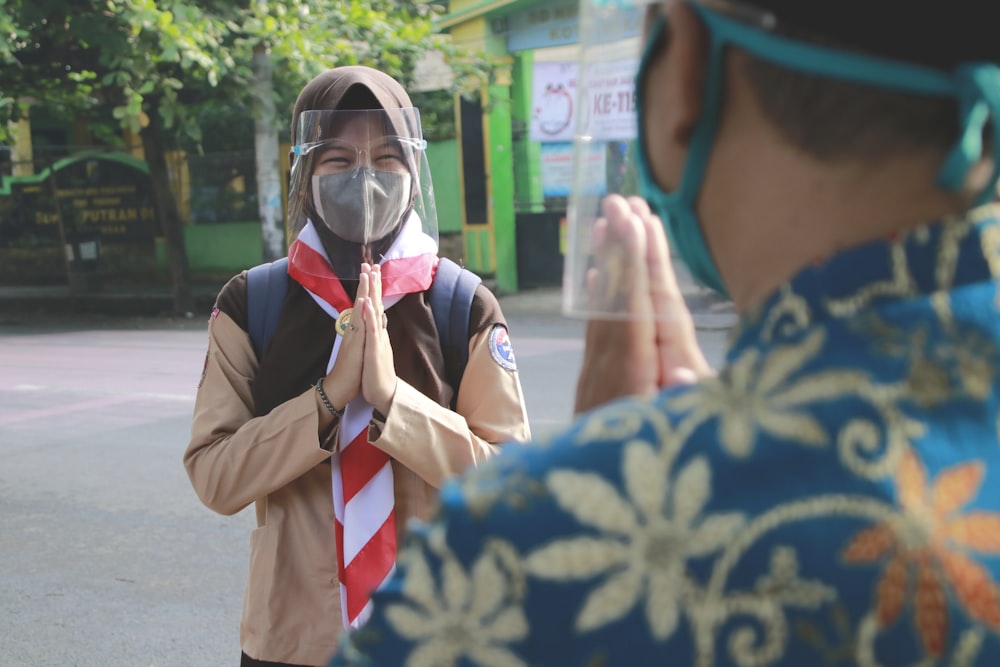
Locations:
931 538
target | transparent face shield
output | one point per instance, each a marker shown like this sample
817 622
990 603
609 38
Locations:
362 179
605 150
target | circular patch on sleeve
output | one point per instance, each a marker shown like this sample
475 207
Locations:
501 349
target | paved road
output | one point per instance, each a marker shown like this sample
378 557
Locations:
106 556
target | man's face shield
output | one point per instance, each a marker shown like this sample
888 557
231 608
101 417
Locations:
363 175
605 143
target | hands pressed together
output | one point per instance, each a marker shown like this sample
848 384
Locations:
365 363
647 341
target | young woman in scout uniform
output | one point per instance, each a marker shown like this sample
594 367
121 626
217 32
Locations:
341 431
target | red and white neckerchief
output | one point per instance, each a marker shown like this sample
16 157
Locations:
363 499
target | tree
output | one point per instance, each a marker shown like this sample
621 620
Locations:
154 64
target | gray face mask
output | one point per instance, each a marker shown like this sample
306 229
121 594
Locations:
363 205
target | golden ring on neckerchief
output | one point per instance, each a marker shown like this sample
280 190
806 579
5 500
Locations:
344 322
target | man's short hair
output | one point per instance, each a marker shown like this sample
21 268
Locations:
834 118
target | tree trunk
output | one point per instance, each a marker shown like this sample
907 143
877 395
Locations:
166 210
266 150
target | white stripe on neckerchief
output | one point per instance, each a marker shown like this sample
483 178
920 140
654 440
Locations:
363 498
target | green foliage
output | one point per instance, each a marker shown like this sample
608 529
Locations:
128 59
11 34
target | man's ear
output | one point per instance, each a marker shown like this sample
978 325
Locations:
686 68
672 92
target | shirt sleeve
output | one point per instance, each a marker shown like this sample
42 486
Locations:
234 458
436 442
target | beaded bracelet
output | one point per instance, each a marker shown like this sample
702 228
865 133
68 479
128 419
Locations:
326 401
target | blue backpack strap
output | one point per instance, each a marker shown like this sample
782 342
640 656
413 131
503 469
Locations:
267 285
451 296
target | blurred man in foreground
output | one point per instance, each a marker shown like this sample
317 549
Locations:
832 496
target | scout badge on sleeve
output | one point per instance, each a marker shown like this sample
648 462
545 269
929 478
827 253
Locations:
501 349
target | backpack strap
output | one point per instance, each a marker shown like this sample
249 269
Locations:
267 285
451 296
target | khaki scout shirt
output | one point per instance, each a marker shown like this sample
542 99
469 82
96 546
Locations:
244 451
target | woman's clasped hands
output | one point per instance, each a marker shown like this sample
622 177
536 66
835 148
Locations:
365 363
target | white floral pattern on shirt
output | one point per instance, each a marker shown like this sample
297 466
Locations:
646 537
470 615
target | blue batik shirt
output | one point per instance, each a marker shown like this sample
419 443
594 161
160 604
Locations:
831 498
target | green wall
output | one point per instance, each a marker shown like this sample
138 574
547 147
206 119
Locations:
501 188
528 192
227 247
442 156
